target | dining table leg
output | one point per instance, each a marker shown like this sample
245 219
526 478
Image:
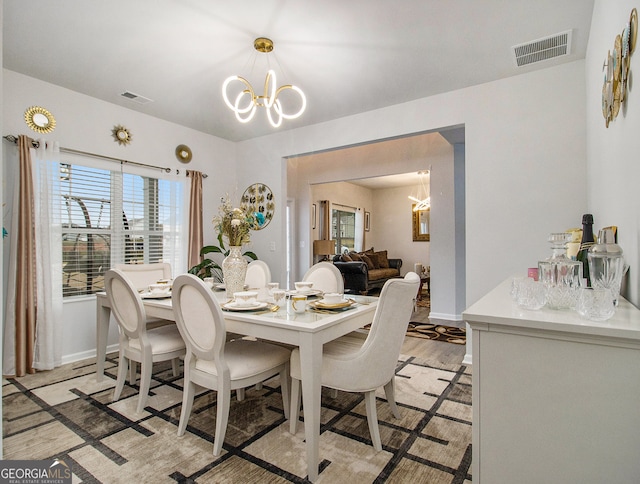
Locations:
103 313
310 368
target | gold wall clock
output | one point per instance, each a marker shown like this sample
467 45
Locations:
121 134
259 198
39 119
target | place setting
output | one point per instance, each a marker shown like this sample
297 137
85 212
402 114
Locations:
331 302
304 288
159 290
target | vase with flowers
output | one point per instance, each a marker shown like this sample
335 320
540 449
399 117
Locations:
235 225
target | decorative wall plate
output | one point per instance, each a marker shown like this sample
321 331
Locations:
121 134
39 119
259 198
183 153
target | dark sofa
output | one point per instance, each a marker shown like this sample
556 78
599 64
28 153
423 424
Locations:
367 270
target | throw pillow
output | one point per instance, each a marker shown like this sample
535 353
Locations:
374 259
368 261
346 258
383 259
354 256
369 251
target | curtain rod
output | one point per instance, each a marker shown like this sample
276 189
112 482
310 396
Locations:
36 144
345 206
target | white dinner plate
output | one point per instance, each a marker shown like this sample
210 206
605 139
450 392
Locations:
322 304
309 293
150 295
233 306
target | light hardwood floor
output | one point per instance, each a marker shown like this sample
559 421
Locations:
435 352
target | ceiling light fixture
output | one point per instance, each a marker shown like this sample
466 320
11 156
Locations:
246 101
424 203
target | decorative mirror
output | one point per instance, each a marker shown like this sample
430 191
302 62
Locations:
420 224
39 119
121 134
183 153
259 198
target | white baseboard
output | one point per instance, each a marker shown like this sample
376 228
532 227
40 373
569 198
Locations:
467 360
83 355
448 317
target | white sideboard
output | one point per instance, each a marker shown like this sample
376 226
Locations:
556 398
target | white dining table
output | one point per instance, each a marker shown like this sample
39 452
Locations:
309 331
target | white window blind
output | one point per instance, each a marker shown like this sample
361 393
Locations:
110 217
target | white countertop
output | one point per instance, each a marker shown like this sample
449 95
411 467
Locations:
497 308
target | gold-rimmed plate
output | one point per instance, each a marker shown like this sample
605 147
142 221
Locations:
332 306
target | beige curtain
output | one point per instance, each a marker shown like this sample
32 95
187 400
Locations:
25 290
196 236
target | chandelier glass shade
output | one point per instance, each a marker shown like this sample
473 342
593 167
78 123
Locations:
246 101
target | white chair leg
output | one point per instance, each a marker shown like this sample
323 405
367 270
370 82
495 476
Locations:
222 418
123 364
187 404
284 388
145 381
295 405
240 394
390 392
133 368
175 366
372 419
334 393
259 386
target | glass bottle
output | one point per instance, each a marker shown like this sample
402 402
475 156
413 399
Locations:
560 275
606 263
585 244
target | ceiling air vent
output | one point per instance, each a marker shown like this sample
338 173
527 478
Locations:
136 97
542 49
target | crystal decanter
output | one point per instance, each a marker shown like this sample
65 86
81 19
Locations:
560 275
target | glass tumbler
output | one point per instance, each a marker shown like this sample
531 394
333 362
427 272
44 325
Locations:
595 304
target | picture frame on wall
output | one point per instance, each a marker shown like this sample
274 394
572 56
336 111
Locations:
313 216
367 221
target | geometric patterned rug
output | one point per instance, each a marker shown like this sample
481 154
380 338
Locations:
65 414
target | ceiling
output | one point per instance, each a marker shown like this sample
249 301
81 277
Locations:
347 56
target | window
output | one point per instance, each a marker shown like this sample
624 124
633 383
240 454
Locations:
343 230
109 217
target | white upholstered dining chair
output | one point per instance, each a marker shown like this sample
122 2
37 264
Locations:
258 275
362 365
141 275
212 362
326 277
136 342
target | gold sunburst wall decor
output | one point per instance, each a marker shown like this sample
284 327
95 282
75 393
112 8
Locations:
616 68
121 134
39 119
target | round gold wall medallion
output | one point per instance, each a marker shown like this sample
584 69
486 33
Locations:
39 119
183 153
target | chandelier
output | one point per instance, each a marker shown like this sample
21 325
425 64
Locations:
424 203
247 101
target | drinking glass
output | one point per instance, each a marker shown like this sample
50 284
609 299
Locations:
531 294
596 304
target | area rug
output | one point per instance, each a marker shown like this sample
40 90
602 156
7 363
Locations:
438 332
66 414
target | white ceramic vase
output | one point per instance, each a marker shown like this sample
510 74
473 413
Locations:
234 271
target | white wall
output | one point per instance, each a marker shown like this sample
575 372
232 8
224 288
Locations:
392 227
612 153
524 162
85 123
